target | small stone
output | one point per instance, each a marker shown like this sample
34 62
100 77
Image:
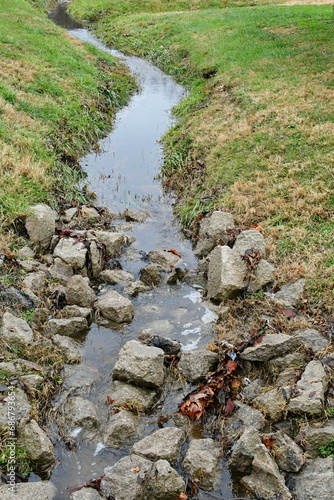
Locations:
288 455
37 444
167 345
315 481
70 214
83 413
318 436
68 347
140 364
85 494
291 361
261 276
167 260
150 275
21 409
25 253
252 388
88 213
78 292
35 281
136 287
226 274
76 311
96 258
212 229
272 403
164 444
272 345
115 307
311 391
132 397
244 417
126 479
249 240
72 252
201 461
121 429
163 482
12 297
245 449
42 490
61 270
131 214
116 277
15 329
313 339
290 294
71 326
41 224
114 242
32 381
195 365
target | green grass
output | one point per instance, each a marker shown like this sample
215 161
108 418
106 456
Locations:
57 98
255 134
327 450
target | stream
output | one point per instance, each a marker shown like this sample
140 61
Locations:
124 174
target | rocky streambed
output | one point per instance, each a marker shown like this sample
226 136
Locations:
142 373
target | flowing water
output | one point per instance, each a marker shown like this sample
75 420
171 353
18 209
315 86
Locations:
123 174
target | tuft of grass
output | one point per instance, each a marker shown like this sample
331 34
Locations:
327 450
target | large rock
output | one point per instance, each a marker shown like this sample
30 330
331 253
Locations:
195 365
318 436
150 274
226 274
133 215
78 292
290 294
130 396
211 231
261 276
121 429
167 260
249 240
83 413
140 364
72 252
96 256
12 297
42 490
37 444
116 277
288 455
164 444
126 479
35 281
60 270
201 461
272 403
272 345
114 242
15 329
22 408
69 326
75 311
311 390
313 339
85 494
163 482
245 449
41 224
136 287
115 307
291 361
68 347
244 417
315 481
167 345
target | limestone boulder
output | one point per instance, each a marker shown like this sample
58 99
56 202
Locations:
134 215
249 240
116 277
163 444
68 347
25 253
167 345
163 482
114 242
287 454
311 390
167 260
70 326
35 281
272 345
226 274
245 449
315 481
243 418
134 288
60 270
15 330
261 276
115 307
212 229
196 364
150 274
121 429
75 311
138 398
10 296
37 444
80 412
42 490
318 436
273 403
290 294
41 224
21 410
96 256
85 494
78 292
313 339
201 461
72 252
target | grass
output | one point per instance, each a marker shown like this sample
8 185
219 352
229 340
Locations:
57 97
255 134
327 450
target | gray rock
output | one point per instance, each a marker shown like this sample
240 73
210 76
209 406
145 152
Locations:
41 223
249 240
291 362
42 490
318 436
25 253
126 479
35 281
96 258
226 274
136 287
150 275
290 294
114 242
15 329
288 455
167 345
10 367
12 297
132 397
76 311
70 214
201 461
83 413
121 429
245 449
315 481
167 260
196 364
116 277
262 275
37 444
313 339
252 388
68 347
85 494
133 215
140 364
212 229
22 408
164 444
244 417
115 307
311 391
32 381
272 345
60 270
163 482
70 326
72 252
272 403
40 316
78 292
88 213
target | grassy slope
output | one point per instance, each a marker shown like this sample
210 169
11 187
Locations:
256 132
55 101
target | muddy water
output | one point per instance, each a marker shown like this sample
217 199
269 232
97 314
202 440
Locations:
122 174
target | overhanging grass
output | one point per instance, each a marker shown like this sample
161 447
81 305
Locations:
256 132
57 97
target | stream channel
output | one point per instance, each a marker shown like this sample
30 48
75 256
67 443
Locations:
123 174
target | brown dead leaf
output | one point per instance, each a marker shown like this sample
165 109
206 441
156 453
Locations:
268 441
231 366
182 496
229 407
110 400
289 313
135 469
174 251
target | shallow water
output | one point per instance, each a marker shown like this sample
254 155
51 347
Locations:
122 174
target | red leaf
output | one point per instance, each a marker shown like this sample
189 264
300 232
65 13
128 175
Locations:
289 313
110 401
259 340
268 441
229 407
174 251
231 366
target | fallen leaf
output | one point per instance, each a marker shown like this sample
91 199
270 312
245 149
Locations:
229 407
259 340
289 313
268 441
312 394
110 400
231 366
174 251
182 496
135 469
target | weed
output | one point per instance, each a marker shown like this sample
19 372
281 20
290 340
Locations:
22 462
327 450
28 315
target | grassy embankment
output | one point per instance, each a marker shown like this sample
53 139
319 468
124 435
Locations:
256 134
56 100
